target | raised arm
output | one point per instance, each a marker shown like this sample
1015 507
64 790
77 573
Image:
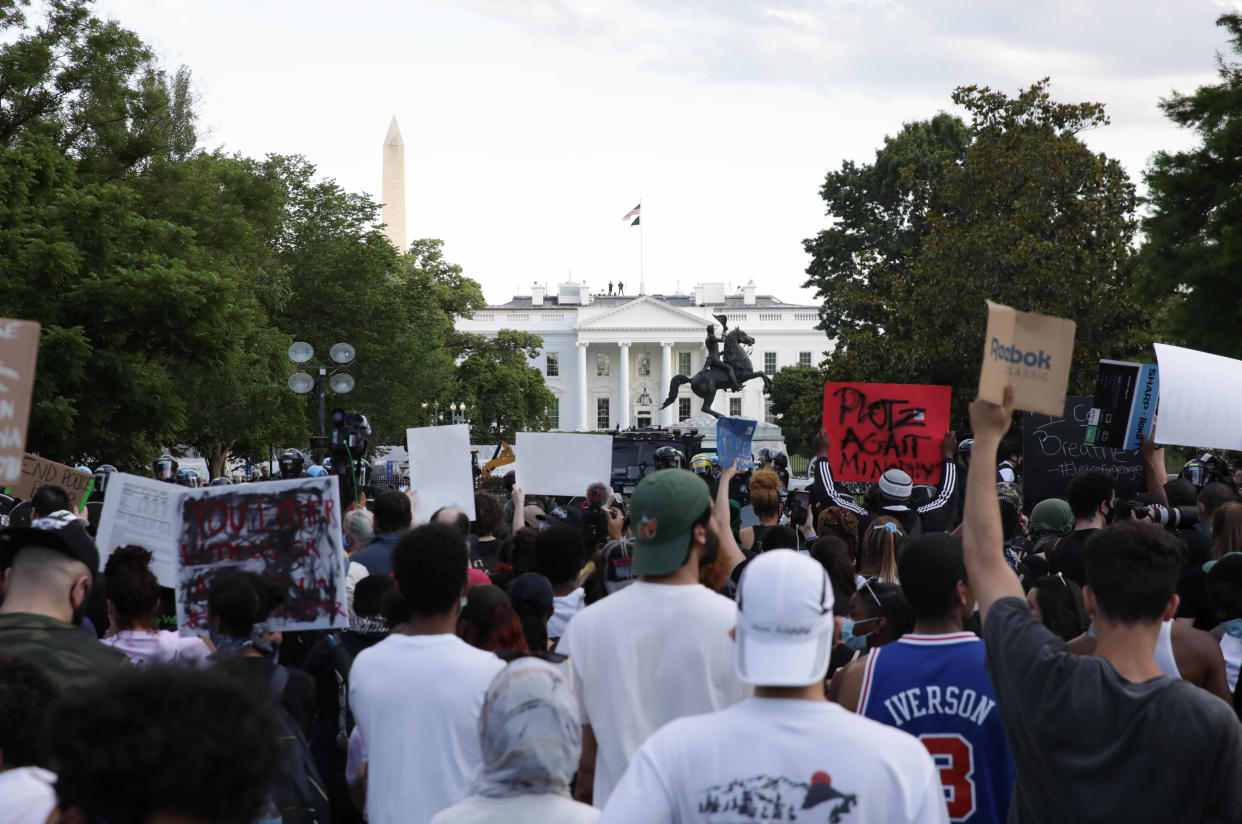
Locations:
720 515
991 578
948 483
519 506
824 484
1153 467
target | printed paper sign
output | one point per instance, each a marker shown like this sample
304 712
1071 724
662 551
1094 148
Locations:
557 463
144 512
1054 452
1124 405
440 469
872 427
1199 398
289 532
733 441
39 472
1032 352
19 349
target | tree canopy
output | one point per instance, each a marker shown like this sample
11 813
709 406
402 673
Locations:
1193 252
1023 213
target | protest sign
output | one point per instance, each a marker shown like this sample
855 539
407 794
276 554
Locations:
1124 405
39 472
1032 352
440 469
1199 398
872 427
1054 452
19 349
557 463
144 512
289 532
733 437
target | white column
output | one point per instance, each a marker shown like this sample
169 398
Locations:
623 414
582 387
666 373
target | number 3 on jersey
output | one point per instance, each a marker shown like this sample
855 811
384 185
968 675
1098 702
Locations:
954 758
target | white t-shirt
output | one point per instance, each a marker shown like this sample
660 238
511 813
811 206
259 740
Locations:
28 795
778 759
1231 648
416 700
565 607
146 649
645 656
545 808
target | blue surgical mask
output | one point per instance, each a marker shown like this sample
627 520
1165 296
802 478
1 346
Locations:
1233 627
463 602
855 642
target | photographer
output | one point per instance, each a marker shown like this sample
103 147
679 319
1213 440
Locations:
765 499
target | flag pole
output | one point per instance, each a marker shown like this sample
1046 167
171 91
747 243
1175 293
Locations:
642 283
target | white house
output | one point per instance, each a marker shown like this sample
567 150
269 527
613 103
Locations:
609 358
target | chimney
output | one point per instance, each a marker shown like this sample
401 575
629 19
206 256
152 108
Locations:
748 294
536 294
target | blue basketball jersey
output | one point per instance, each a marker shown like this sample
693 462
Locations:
936 688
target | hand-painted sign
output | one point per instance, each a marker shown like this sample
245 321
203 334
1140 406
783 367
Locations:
872 427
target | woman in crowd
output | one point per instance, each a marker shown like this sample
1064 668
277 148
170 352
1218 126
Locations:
488 621
765 500
133 601
833 555
881 544
834 520
1056 602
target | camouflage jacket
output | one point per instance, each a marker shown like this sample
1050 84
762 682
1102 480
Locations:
72 657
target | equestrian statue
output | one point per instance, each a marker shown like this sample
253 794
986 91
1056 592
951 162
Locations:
728 371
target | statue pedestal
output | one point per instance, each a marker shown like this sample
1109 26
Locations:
767 435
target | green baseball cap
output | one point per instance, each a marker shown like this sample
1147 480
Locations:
663 508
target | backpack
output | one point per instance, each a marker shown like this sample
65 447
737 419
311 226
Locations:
297 791
341 663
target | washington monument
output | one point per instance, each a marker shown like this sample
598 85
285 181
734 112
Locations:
393 212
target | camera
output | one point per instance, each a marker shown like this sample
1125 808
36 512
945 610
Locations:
1173 517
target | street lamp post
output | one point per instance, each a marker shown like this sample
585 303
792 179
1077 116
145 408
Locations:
327 376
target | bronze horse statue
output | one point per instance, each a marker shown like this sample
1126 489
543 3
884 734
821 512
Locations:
713 377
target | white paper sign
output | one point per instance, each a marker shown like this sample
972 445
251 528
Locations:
440 469
144 512
1199 399
556 463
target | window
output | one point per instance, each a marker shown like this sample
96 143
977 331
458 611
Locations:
601 413
735 407
767 410
601 365
644 364
554 414
644 420
804 358
554 365
683 364
683 409
769 363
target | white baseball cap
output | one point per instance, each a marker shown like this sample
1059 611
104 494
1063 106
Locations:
784 620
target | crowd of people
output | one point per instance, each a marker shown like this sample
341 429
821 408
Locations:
969 657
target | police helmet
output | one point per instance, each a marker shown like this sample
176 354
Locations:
700 463
966 447
669 457
291 462
221 481
316 472
164 468
188 477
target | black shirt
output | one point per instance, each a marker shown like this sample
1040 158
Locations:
1070 556
1088 745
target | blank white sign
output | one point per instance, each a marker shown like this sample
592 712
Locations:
1199 399
440 469
556 463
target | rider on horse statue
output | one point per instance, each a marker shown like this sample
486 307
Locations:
713 352
728 370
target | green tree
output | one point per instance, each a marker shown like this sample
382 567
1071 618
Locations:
797 404
1193 251
504 392
1029 217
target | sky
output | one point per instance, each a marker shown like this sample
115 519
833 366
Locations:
532 126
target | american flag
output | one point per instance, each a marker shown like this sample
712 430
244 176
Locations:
633 212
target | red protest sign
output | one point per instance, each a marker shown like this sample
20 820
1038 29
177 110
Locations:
872 427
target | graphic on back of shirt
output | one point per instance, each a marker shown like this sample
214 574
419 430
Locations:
768 798
936 688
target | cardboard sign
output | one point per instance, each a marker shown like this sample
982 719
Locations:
558 463
1032 352
289 532
872 427
39 472
733 441
143 512
1124 405
1199 398
440 469
1054 452
19 349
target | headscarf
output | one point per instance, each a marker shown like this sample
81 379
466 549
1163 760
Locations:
529 731
1052 515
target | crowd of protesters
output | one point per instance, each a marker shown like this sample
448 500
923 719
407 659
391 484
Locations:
970 657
